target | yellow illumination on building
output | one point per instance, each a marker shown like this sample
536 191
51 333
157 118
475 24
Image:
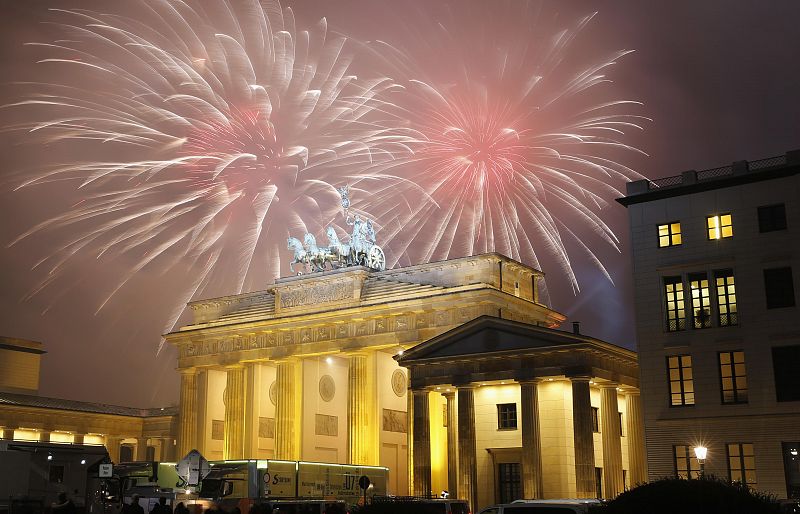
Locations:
93 440
26 435
669 234
719 226
61 437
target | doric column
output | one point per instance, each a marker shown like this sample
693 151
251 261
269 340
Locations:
531 440
187 418
467 460
452 443
612 447
166 450
636 443
422 443
358 410
287 410
252 399
44 436
234 413
112 446
584 439
141 449
410 439
77 438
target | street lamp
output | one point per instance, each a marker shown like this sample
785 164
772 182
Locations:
701 452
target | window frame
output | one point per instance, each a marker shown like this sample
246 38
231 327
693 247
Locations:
788 301
731 306
740 394
682 381
670 235
503 418
766 218
704 298
719 226
676 297
740 458
688 455
789 380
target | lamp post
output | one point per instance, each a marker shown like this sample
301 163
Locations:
701 452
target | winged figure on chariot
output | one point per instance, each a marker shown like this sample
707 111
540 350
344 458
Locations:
360 250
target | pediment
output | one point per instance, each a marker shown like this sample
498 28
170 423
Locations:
488 334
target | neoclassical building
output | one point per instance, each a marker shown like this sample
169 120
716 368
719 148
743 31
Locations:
308 370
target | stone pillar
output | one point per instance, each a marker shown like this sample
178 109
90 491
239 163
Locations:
187 418
112 446
234 400
422 443
252 401
8 434
141 449
584 439
637 453
531 440
410 438
358 410
287 410
612 447
77 438
452 443
467 459
44 436
166 450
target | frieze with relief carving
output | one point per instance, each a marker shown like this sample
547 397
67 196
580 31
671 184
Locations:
317 294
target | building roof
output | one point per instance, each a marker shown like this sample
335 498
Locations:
43 402
738 173
21 345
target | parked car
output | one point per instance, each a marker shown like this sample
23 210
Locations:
566 506
308 506
419 505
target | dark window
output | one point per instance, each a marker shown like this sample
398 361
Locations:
727 312
56 475
507 415
509 482
681 380
733 377
126 453
669 234
741 463
771 218
621 426
701 300
686 464
779 287
785 366
151 453
595 419
598 482
791 468
675 304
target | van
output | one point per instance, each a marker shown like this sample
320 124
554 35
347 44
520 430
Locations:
419 505
308 506
568 506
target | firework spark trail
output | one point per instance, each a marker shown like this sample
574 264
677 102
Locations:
229 126
514 151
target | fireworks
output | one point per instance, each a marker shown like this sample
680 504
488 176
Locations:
228 129
515 144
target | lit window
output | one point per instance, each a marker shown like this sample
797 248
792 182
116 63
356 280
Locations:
741 463
686 464
726 298
681 382
676 309
701 300
734 377
669 234
507 416
719 226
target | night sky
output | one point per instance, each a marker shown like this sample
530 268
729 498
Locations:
719 79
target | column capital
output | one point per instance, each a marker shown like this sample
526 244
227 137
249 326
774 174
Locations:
449 394
607 385
580 378
531 381
236 365
466 386
188 371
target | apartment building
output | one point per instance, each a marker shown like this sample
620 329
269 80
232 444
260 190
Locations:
716 263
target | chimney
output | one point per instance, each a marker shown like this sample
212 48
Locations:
576 327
